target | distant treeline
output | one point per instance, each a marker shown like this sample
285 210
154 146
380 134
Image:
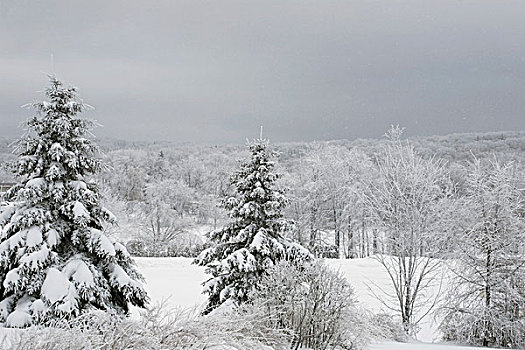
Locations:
506 145
164 192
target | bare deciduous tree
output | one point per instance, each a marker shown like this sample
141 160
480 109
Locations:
408 202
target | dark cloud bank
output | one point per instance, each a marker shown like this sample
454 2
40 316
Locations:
213 71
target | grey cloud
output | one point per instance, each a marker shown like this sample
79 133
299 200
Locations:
215 71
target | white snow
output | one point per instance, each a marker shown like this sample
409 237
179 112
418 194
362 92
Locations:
178 281
56 286
34 236
175 279
52 237
258 240
79 210
104 243
69 303
120 277
367 273
36 258
6 211
420 346
38 306
35 182
78 185
14 241
6 305
18 319
241 258
181 279
11 277
79 272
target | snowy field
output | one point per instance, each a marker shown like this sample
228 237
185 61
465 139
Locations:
420 346
178 281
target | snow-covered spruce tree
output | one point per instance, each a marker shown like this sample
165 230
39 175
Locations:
55 260
486 304
255 239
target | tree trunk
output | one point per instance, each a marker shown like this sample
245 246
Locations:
362 248
350 234
336 232
374 242
488 292
313 230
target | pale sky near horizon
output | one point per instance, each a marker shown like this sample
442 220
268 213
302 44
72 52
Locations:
214 71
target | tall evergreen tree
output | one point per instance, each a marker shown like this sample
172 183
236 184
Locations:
55 260
254 240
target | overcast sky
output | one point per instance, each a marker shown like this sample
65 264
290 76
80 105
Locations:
213 71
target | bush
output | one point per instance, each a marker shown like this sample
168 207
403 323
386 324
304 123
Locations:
315 304
92 330
325 251
158 328
385 326
164 249
484 328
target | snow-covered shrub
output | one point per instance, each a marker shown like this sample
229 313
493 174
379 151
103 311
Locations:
325 251
164 249
493 328
91 330
158 329
385 326
224 328
316 304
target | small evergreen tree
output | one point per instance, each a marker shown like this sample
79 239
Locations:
254 240
55 260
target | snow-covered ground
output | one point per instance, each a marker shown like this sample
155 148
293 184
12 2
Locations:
174 280
420 346
178 281
366 274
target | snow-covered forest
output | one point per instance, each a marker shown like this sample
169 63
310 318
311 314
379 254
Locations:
167 194
439 223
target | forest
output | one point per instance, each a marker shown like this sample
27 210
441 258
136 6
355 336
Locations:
166 194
